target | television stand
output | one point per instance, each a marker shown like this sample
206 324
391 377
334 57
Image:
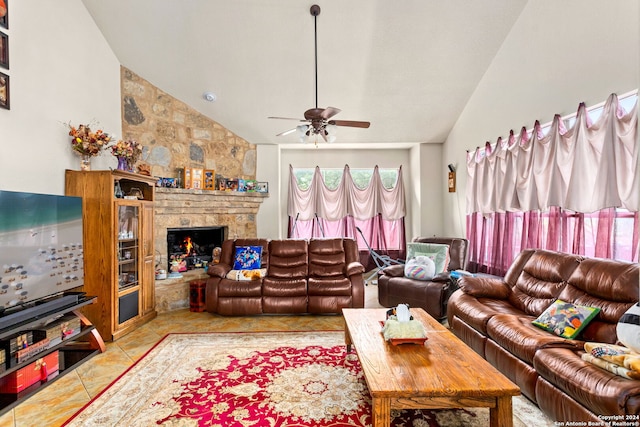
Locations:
36 310
72 352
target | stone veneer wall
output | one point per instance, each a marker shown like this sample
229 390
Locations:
175 136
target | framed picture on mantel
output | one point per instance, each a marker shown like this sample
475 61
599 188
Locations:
262 187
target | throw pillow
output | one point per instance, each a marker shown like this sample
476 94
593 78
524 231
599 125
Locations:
420 268
247 258
566 319
438 253
628 328
247 275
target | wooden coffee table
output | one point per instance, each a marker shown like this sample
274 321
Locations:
442 373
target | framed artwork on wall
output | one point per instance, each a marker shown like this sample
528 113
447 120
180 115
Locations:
4 14
4 91
4 50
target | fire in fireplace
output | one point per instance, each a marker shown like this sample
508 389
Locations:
193 245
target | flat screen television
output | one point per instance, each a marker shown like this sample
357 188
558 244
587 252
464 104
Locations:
41 250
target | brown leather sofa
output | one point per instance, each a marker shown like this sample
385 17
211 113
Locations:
433 295
494 317
317 276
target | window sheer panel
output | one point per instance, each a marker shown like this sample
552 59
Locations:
584 169
347 199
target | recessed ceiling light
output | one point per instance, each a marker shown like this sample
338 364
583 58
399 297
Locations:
210 96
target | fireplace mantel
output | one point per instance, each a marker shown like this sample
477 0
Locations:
178 207
202 199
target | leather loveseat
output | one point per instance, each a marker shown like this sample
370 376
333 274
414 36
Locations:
316 276
430 295
494 317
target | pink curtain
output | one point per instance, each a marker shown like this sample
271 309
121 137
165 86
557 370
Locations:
496 238
575 191
377 211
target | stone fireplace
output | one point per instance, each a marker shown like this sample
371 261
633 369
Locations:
177 208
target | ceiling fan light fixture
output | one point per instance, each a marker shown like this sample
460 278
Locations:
302 130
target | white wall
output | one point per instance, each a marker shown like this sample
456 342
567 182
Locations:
557 55
268 169
427 190
61 70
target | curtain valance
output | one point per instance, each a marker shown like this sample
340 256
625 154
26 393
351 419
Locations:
347 199
587 168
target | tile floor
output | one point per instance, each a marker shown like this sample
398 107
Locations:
55 404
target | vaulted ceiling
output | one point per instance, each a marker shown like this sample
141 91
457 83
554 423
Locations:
408 67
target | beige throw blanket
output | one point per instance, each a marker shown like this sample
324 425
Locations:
614 358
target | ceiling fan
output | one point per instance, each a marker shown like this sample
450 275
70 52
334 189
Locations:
318 119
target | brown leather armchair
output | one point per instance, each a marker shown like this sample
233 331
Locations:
433 295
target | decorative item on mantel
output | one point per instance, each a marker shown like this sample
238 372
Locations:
128 152
87 143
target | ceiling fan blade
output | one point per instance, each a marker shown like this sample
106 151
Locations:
287 132
287 118
329 112
350 123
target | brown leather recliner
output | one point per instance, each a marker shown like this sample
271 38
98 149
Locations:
316 276
226 296
432 295
335 276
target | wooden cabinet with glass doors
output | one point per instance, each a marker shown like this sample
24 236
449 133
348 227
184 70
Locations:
119 248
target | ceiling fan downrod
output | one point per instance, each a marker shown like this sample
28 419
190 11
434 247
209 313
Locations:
315 11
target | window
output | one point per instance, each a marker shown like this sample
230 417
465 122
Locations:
333 176
369 206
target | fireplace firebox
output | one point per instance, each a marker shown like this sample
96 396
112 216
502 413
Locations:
193 246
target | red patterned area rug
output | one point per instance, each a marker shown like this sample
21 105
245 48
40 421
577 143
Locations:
255 380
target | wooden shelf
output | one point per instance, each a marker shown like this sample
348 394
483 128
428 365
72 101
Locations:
72 353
